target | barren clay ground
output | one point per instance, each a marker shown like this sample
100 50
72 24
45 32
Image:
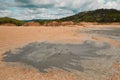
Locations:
90 52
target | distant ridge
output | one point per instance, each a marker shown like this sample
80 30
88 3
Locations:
32 20
99 15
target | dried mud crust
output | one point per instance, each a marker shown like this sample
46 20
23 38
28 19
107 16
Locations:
95 59
113 33
96 69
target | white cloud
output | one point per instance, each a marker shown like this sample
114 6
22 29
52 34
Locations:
29 9
5 13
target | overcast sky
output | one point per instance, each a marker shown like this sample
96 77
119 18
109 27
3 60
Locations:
51 9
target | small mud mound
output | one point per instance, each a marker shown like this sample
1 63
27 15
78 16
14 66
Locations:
52 23
32 24
55 23
67 23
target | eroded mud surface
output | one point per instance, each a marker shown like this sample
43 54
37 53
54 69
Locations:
113 33
90 60
89 56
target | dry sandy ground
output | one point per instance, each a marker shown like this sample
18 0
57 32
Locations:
12 37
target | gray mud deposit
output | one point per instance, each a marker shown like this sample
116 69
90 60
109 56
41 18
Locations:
113 33
63 56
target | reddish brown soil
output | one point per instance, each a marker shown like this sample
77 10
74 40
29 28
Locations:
12 37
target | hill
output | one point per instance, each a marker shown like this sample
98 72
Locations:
6 20
99 15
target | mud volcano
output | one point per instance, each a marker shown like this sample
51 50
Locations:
63 56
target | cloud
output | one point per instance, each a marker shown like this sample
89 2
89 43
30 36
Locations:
51 9
4 13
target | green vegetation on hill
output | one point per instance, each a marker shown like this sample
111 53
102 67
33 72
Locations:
99 15
5 20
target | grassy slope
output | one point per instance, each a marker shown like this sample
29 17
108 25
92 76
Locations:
11 20
99 15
